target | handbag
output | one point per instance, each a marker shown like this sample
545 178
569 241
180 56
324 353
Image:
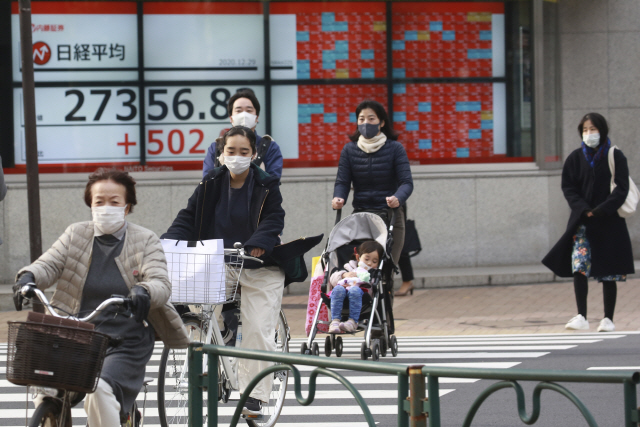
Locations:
629 206
412 246
290 257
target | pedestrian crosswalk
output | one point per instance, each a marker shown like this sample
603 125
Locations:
333 404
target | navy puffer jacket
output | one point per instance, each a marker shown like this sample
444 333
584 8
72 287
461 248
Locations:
375 176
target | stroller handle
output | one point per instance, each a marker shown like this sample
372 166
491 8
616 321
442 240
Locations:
391 222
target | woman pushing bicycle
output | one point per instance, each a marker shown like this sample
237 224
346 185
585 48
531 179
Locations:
239 202
93 260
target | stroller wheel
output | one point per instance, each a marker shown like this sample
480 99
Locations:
363 351
338 346
315 349
375 351
327 346
393 345
383 346
304 349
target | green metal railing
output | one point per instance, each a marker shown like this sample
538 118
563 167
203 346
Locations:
415 406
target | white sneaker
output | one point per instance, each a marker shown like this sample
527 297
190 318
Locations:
578 322
606 325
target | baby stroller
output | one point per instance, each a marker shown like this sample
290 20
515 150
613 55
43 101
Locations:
376 318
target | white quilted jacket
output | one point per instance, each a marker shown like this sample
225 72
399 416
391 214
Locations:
141 262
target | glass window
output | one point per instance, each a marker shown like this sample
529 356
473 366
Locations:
552 138
519 78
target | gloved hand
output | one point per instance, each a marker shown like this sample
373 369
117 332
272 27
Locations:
26 277
141 302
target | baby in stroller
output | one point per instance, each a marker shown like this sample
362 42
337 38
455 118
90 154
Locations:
376 315
351 283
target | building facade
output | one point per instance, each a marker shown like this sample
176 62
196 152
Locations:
486 96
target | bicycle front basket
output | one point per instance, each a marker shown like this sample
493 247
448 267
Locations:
203 278
55 356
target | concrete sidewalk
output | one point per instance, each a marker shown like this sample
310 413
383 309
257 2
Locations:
508 309
497 309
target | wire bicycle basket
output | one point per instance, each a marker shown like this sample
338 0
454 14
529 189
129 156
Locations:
62 357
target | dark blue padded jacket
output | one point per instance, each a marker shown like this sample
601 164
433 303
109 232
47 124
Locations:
196 221
375 176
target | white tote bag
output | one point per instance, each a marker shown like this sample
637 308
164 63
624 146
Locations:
197 272
630 204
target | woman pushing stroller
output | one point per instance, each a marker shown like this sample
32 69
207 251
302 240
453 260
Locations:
351 283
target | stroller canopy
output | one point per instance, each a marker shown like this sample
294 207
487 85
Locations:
358 226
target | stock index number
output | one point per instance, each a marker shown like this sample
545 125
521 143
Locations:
182 107
106 95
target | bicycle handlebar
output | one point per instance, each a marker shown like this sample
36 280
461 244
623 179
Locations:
239 251
29 290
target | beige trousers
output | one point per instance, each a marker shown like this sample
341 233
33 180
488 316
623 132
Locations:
101 406
262 290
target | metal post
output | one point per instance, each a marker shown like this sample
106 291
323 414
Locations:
195 391
29 101
630 405
417 417
434 400
212 396
403 396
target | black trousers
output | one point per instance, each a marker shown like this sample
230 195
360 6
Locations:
406 270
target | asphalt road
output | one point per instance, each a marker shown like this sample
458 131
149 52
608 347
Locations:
335 407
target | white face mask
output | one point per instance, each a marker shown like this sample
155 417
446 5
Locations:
244 119
591 140
237 164
108 219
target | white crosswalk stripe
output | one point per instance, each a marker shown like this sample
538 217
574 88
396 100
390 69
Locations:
380 391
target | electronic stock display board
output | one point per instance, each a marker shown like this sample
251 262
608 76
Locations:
89 79
93 46
438 122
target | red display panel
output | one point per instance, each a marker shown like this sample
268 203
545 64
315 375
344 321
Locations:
432 40
447 122
338 40
326 118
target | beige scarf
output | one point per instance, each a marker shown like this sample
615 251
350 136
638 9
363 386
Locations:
372 145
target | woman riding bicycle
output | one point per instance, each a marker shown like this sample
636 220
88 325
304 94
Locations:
239 202
93 260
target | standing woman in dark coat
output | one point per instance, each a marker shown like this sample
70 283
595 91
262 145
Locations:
596 243
378 166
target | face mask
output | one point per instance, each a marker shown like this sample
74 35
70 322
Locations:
591 140
108 219
368 130
237 164
244 119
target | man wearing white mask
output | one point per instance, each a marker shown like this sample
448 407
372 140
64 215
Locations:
244 110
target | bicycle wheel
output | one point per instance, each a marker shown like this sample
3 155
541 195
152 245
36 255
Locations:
46 414
271 411
173 381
